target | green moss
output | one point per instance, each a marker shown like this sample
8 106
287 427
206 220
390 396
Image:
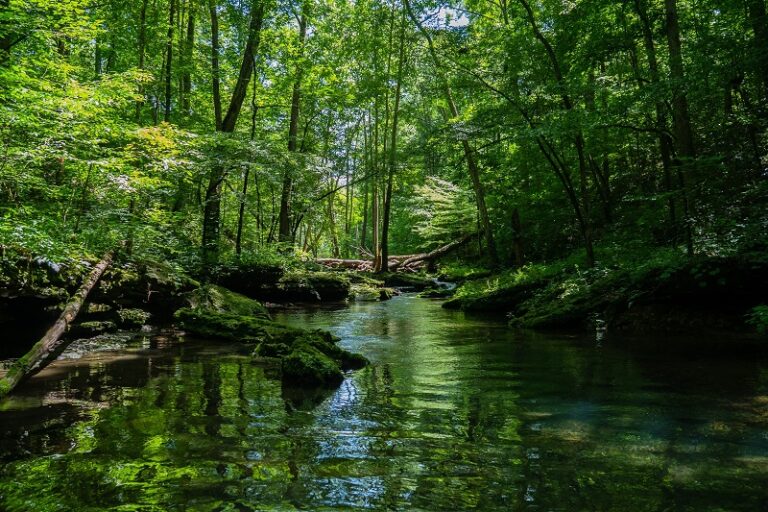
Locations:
308 358
437 293
232 327
131 317
307 365
221 300
365 293
306 285
92 328
417 282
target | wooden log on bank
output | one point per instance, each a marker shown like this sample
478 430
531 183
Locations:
433 255
50 346
406 261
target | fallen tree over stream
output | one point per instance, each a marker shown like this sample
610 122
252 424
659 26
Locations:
51 345
408 262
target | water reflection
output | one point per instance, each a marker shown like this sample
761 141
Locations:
455 414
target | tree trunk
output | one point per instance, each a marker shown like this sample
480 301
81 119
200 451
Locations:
682 122
142 44
665 141
584 216
212 210
293 131
517 239
437 253
392 153
7 35
215 63
759 20
50 346
469 153
246 69
169 59
189 49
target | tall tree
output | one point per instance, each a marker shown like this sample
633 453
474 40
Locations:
686 151
469 152
212 206
293 132
392 160
169 59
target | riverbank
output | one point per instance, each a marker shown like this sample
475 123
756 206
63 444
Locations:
143 295
667 293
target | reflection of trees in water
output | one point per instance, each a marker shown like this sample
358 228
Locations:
458 415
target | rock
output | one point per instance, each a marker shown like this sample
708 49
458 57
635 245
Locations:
133 318
156 287
440 293
217 299
414 282
91 329
306 286
307 358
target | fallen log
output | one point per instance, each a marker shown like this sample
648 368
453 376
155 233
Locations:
433 255
337 263
50 346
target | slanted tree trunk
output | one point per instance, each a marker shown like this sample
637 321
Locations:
50 346
584 203
435 254
293 131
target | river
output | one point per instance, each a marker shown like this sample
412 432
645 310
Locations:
455 413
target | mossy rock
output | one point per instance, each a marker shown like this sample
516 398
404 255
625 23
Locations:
91 329
307 358
504 300
437 293
416 282
131 318
232 327
364 278
306 286
249 278
156 287
365 293
217 299
386 293
306 365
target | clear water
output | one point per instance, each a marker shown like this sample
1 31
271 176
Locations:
454 414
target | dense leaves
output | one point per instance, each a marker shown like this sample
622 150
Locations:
387 127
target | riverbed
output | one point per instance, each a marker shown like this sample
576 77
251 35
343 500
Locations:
455 413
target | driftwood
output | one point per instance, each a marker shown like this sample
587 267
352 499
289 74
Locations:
432 255
50 346
408 262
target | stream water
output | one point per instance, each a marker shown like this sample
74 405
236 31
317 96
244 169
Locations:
454 414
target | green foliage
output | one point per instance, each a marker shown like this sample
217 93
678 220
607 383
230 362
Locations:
758 318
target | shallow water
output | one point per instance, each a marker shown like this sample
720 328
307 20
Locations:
454 414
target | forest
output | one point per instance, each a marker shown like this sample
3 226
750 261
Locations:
215 167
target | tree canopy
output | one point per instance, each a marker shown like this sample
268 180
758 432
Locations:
201 130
